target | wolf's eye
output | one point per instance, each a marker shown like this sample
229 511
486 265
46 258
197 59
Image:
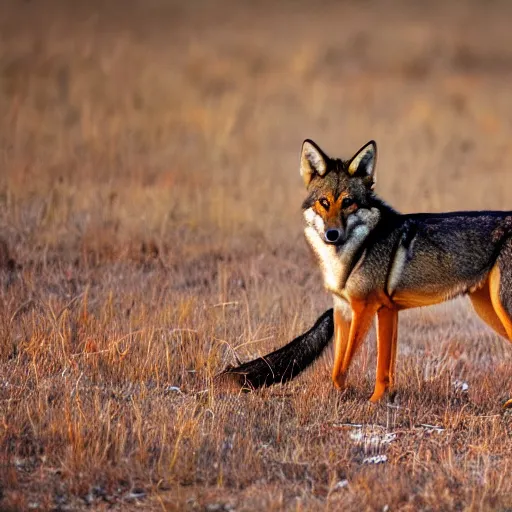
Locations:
324 202
347 201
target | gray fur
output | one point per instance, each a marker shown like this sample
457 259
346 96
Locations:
505 266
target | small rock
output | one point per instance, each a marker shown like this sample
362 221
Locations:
340 485
376 459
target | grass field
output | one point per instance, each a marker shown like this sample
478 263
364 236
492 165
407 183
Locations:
150 230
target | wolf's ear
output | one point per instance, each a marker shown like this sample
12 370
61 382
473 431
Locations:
312 161
363 162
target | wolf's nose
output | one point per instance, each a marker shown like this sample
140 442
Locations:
332 236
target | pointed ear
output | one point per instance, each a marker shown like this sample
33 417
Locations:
312 161
363 162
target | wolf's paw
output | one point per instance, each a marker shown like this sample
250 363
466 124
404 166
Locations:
339 381
384 388
376 397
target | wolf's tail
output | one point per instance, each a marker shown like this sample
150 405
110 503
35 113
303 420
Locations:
285 363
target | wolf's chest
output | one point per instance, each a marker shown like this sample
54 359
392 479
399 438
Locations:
334 269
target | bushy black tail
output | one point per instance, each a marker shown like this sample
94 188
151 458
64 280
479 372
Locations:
285 363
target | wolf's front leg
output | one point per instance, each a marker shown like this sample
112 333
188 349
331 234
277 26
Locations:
362 316
341 332
387 327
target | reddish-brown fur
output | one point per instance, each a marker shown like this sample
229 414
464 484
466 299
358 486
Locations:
332 216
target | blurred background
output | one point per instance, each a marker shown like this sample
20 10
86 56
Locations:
172 120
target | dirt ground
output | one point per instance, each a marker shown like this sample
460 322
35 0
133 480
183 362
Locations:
150 233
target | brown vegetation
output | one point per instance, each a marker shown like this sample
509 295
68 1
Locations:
150 230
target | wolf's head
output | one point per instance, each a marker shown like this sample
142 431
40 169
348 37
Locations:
336 188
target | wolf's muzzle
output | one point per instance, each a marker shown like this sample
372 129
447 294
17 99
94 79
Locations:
333 235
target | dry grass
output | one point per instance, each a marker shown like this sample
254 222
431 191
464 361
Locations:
150 229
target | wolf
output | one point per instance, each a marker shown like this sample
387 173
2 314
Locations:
377 262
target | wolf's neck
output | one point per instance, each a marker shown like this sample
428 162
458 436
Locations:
387 212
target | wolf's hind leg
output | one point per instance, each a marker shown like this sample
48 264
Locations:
500 287
482 303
